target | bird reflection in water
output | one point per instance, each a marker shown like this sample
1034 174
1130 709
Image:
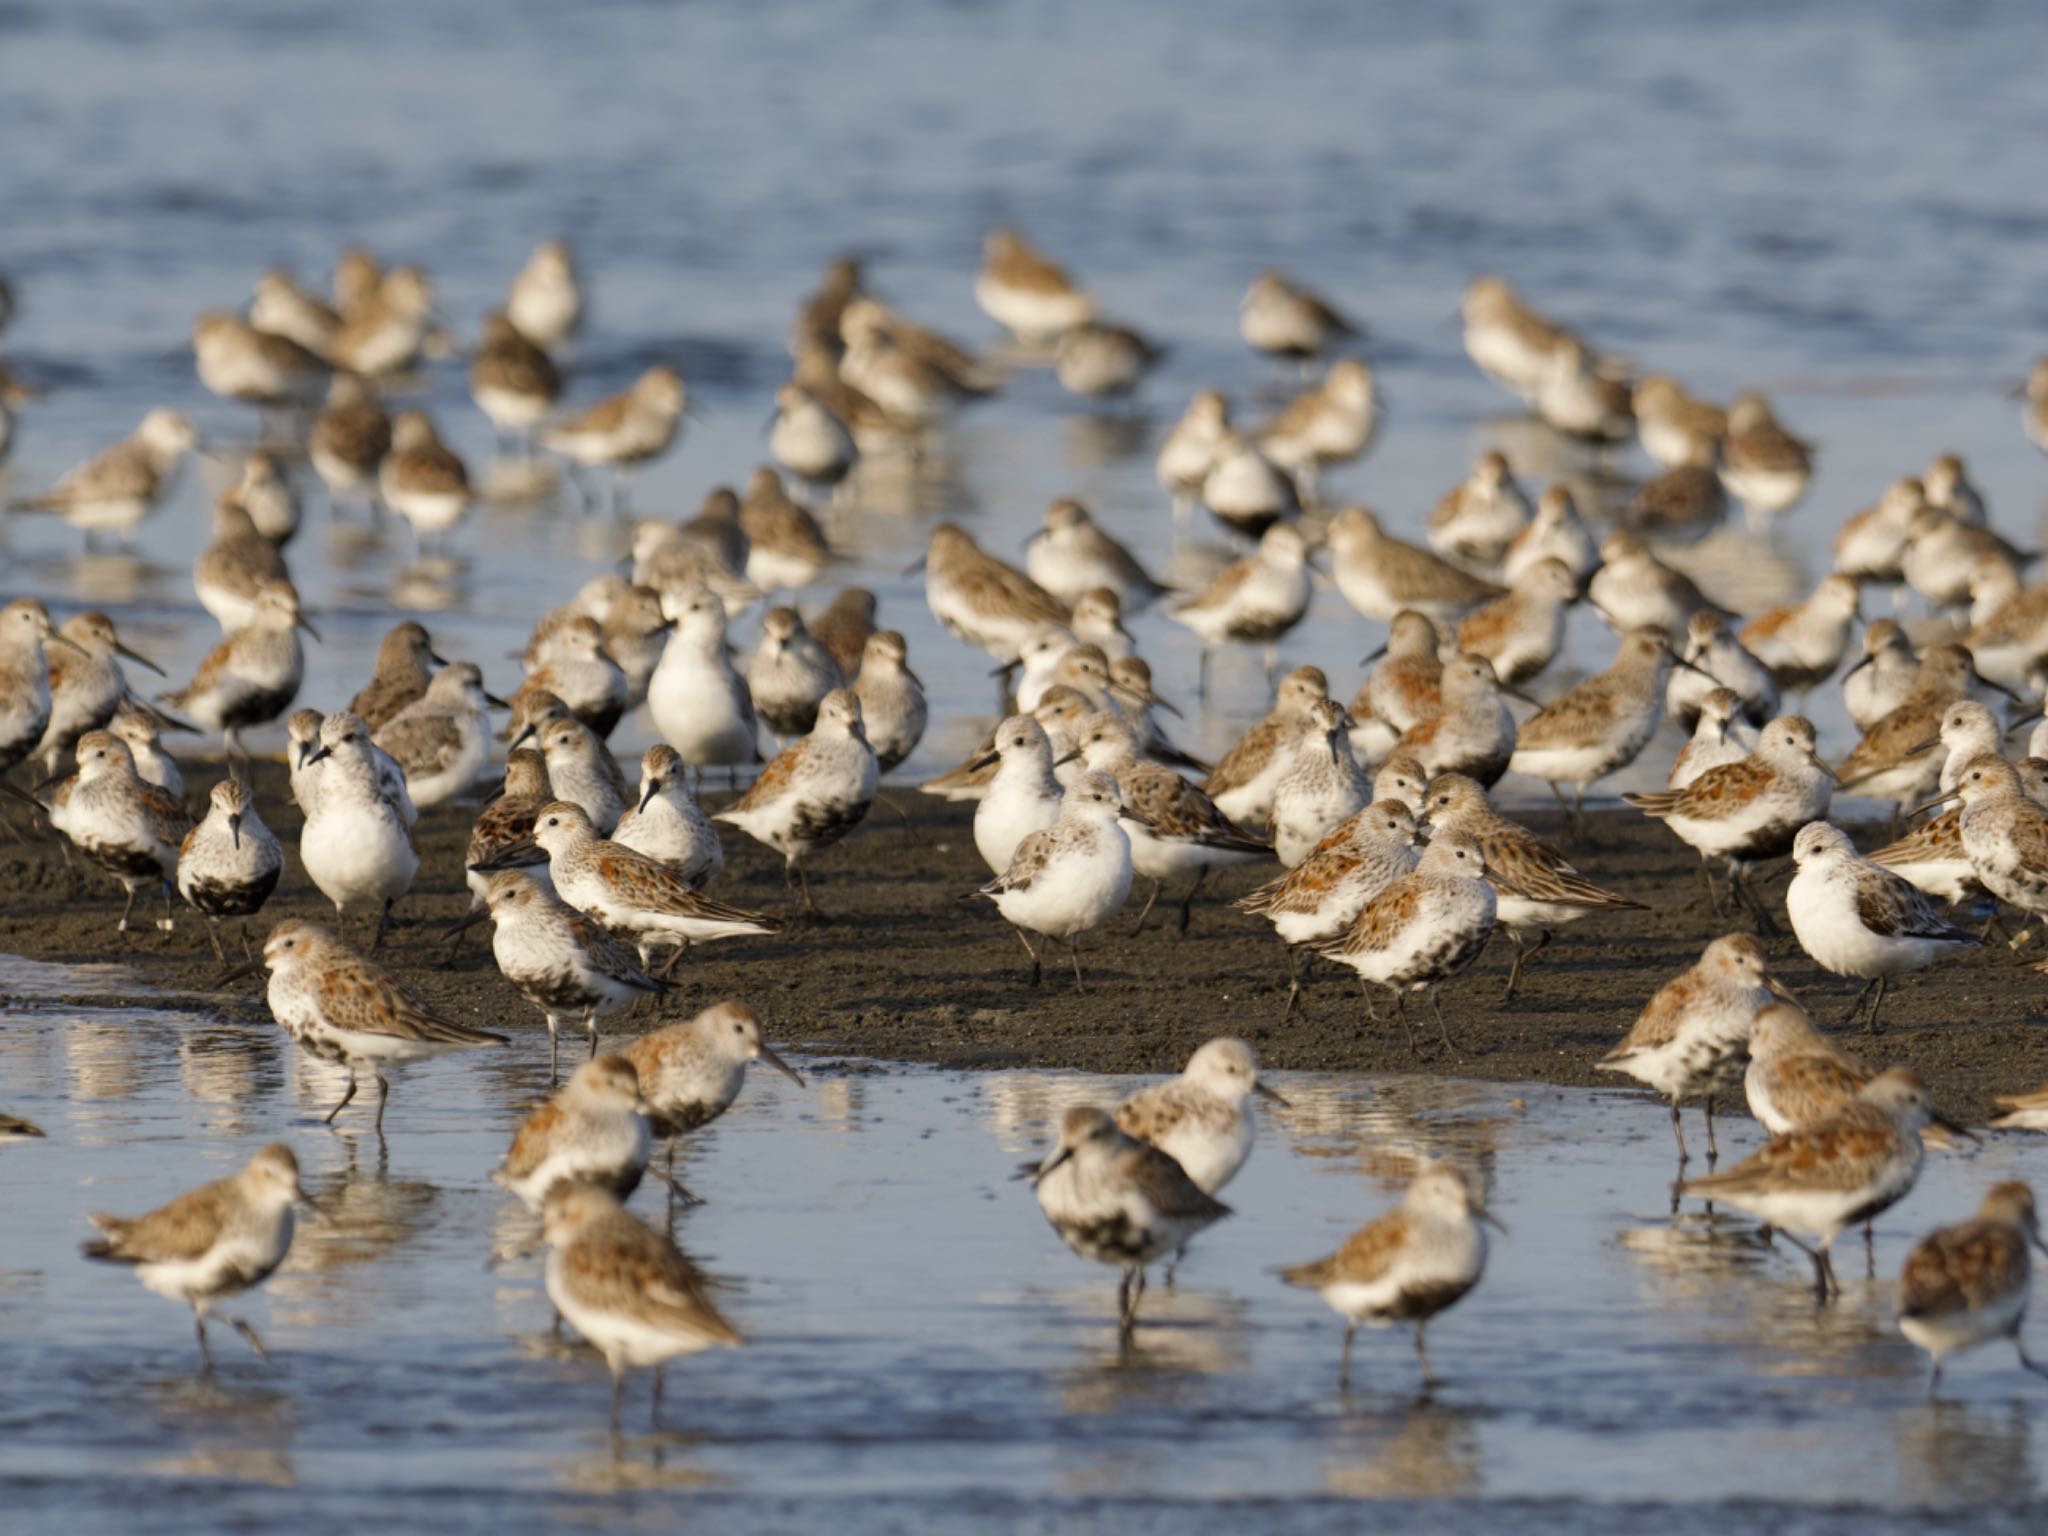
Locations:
364 1214
1427 1451
1188 1335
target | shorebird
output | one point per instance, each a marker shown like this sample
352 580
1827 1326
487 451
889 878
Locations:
340 1007
1949 488
1796 1076
1282 319
1188 451
815 791
236 565
1803 644
229 862
357 844
1203 1118
2008 634
238 362
512 379
1824 1178
911 388
1871 544
1022 798
1330 423
2005 835
844 625
506 821
1967 1285
1068 878
1716 658
1380 575
1521 631
1880 680
1716 739
665 822
442 741
1059 713
1253 601
1677 429
1858 918
1322 786
625 1288
1633 589
786 548
893 709
1027 293
696 699
212 1243
1174 828
571 663
1421 929
1690 1040
1764 467
1243 489
992 606
86 685
1748 811
1072 556
876 428
808 440
1677 505
1476 521
581 771
1473 733
120 485
592 1131
624 430
1100 361
1942 552
1582 395
1320 897
421 479
1536 888
1405 686
139 726
1554 532
1510 343
1119 1201
386 330
1587 732
349 439
252 676
281 307
545 300
2034 414
692 1071
790 674
1244 778
130 828
1408 1265
267 496
634 896
816 327
1900 755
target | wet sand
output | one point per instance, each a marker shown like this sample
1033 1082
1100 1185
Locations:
901 967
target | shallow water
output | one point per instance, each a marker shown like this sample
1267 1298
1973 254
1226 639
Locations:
922 1348
1840 203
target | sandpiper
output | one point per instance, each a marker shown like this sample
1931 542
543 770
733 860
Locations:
282 307
1022 798
808 440
1072 556
1536 888
119 486
790 674
696 699
1097 360
1244 778
1476 521
1059 714
140 727
582 772
1603 724
1203 1118
26 700
1764 467
421 479
87 685
511 378
1716 738
252 676
212 1243
238 362
340 1007
385 332
1554 532
1405 686
267 496
692 1071
1068 878
1509 342
1824 1178
443 740
2034 414
573 665
1322 786
593 1130
229 862
1967 1285
1690 1040
506 821
1584 395
2005 835
1380 575
1677 506
1253 601
1796 1076
1243 489
1119 1201
786 548
893 708
1675 428
130 828
665 822
908 383
350 437
1950 488
815 791
1803 644
1942 552
1027 293
875 427
1189 450
1871 544
1473 733
235 565
1715 658
1283 319
992 606
843 626
1408 1265
1522 631
1331 423
1421 929
1751 810
1900 755
357 844
1857 918
1880 680
2008 634
545 300
624 430
624 1287
1633 589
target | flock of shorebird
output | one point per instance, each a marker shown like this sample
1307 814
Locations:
1394 861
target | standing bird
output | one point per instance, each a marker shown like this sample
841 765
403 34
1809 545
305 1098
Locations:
582 771
86 684
1246 777
696 699
1253 601
212 1243
1282 319
512 379
506 821
130 828
806 439
1068 878
893 709
120 485
1100 361
138 726
1022 798
1380 575
624 431
785 546
1803 644
1189 450
691 1071
1479 519
1796 1076
1026 292
252 676
422 480
1322 787
844 625
1203 1118
350 437
572 664
992 606
1715 658
2005 835
665 822
593 1130
1603 724
443 740
228 863
1473 732
1882 678
1119 1201
1071 557
1716 739
405 665
1857 918
1555 532
815 791
1676 429
357 845
1331 423
236 564
238 362
545 301
1763 466
1967 1285
1521 632
1408 1265
1244 490
790 674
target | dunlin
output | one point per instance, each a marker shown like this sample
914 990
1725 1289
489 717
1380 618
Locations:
1536 888
1281 318
786 548
130 828
816 327
1380 575
265 492
443 740
808 440
212 1243
1942 551
238 362
815 791
844 626
624 430
1473 733
1825 1178
876 429
1522 631
573 665
1070 877
1059 713
1603 724
1331 423
1421 929
340 1007
1900 755
1022 798
1203 1118
1857 918
1803 644
506 821
990 605
1408 1265
1764 467
1716 738
1098 361
228 864
1405 686
1322 786
86 684
625 1288
1690 1040
593 1131
350 437
665 822
252 676
1509 341
1119 1201
282 307
1715 658
119 486
790 674
1554 532
1243 489
2008 634
545 300
404 666
696 699
139 726
893 709
1072 556
1633 589
1027 293
1253 601
2005 835
1476 521
1950 488
692 1071
900 368
582 772
1677 506
512 380
1796 1076
422 480
1188 452
1871 544
357 844
1244 778
1583 395
1675 428
235 566
385 332
1882 678
1968 1285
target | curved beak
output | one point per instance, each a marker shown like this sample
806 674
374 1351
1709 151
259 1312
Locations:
1481 1213
1923 746
495 702
915 567
455 930
1931 805
1006 668
436 657
235 829
68 643
517 855
522 738
1814 758
1936 1117
1373 656
1046 1167
914 678
1062 761
307 625
251 968
1858 667
769 1058
138 658
1270 1096
976 764
318 754
647 795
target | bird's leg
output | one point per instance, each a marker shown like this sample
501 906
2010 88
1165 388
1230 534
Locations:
1436 1006
1344 1359
1202 676
1401 1013
675 1187
1824 1263
1422 1354
165 925
1293 980
1578 810
1934 1377
618 1394
127 907
1074 954
1029 951
1877 1003
1522 958
1146 910
2027 1361
383 1093
1713 1152
1713 896
1678 1135
654 1408
554 1052
344 1098
205 1349
383 922
590 1029
213 933
248 1333
804 880
1869 1252
1188 901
